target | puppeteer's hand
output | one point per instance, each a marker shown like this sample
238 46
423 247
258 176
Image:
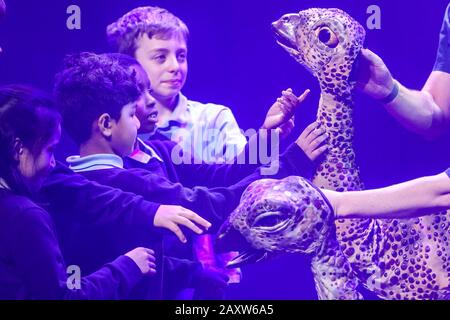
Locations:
373 77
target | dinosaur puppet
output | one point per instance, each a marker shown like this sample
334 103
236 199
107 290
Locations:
395 259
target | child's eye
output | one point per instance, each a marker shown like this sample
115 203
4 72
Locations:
182 57
160 58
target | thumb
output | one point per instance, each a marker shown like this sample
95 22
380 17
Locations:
371 57
303 96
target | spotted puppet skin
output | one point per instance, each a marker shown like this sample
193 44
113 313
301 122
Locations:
396 259
292 216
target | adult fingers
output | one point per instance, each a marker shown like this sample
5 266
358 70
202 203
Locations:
371 57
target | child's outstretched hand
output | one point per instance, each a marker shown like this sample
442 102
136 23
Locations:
313 140
281 114
172 217
144 259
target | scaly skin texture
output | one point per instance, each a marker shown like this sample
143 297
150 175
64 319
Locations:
292 216
396 259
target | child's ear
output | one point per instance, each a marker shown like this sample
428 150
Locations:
104 124
18 149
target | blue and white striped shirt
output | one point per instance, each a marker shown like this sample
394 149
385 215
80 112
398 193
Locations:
206 131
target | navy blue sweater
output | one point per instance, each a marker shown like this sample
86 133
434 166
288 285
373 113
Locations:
213 204
96 223
73 198
207 175
95 216
32 266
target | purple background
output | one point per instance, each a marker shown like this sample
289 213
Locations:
234 60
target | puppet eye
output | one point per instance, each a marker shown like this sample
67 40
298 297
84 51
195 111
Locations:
327 37
269 219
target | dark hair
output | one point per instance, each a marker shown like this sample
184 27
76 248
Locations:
129 63
90 85
124 60
29 115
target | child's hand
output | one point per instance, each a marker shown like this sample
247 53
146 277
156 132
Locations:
281 113
170 217
312 140
144 259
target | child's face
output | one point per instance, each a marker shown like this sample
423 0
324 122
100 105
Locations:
124 131
165 62
145 107
35 168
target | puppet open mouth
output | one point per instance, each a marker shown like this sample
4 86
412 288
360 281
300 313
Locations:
248 256
229 239
283 40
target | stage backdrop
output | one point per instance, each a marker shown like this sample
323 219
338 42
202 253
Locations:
234 60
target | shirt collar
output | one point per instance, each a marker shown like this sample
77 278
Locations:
144 153
94 162
180 113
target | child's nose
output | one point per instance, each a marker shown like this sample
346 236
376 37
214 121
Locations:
174 65
150 99
138 123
